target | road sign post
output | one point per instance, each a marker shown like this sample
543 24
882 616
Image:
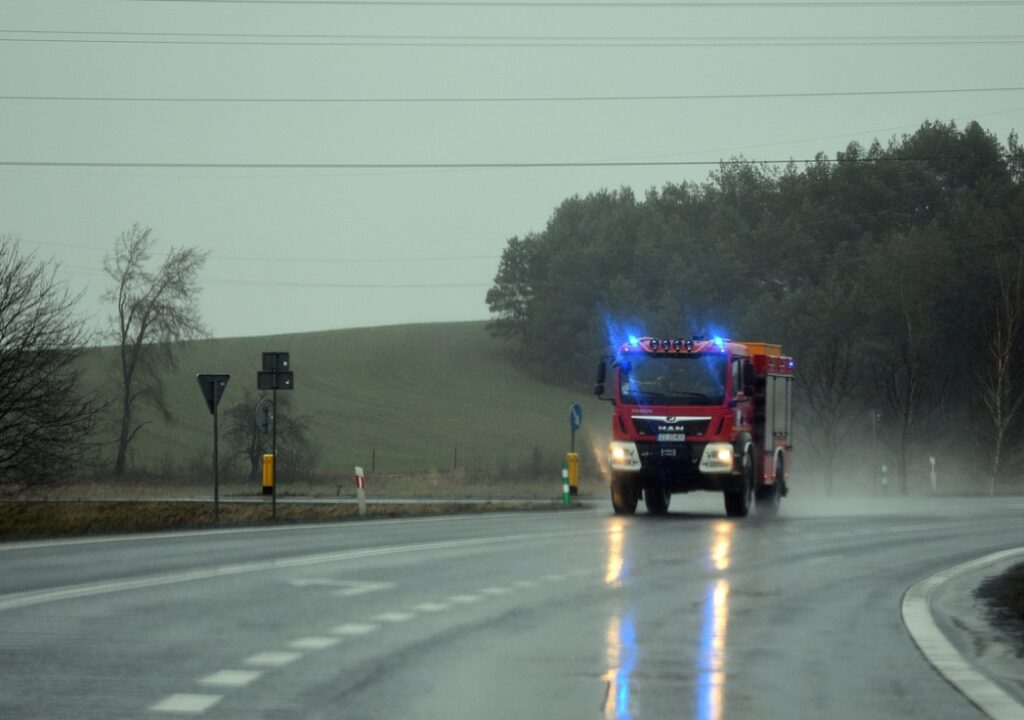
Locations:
572 459
212 387
276 375
575 420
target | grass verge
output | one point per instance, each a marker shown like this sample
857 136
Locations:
37 520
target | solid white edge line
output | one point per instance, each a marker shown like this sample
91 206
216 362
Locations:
174 535
35 597
947 661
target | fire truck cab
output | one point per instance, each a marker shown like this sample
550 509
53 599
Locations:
699 414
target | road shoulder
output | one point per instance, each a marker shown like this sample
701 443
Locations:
952 630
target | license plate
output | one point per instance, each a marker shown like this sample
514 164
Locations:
671 437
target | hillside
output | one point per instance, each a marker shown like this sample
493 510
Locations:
413 393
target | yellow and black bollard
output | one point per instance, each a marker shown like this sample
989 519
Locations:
268 474
572 460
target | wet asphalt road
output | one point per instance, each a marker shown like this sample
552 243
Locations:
539 615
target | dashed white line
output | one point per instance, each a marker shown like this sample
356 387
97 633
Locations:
354 629
496 591
314 643
525 584
186 704
431 607
273 659
231 678
465 599
555 577
394 617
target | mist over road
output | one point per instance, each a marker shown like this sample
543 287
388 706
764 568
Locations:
568 615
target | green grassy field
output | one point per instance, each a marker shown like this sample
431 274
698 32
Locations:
412 393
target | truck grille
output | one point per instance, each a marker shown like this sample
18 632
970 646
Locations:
654 426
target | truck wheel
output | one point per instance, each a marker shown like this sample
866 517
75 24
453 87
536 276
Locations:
768 497
624 494
657 499
737 502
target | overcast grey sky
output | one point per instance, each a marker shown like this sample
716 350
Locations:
296 249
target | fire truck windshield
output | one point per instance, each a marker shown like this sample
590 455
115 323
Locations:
674 380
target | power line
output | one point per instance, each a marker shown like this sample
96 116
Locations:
307 284
290 259
528 42
501 99
38 36
640 4
448 165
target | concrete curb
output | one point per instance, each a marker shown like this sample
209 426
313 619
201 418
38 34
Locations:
985 694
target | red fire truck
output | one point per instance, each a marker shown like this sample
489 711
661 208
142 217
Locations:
699 414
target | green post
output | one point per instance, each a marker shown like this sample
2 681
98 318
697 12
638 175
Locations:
565 483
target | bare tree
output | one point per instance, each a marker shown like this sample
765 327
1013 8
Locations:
999 375
154 311
45 417
912 387
830 369
299 454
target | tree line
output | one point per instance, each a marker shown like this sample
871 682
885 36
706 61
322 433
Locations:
893 273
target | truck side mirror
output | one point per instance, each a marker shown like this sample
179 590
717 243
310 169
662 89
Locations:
602 370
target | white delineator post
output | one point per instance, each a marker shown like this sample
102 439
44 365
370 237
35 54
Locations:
361 490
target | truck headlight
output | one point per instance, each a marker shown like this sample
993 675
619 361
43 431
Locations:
717 458
624 456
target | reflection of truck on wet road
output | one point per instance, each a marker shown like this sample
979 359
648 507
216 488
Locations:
699 414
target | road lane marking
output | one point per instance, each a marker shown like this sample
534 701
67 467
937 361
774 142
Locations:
496 591
314 643
231 678
272 659
176 535
917 616
67 592
186 704
354 629
394 617
465 599
345 588
525 584
554 578
431 607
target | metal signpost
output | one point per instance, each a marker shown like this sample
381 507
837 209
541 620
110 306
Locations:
264 421
213 387
572 460
276 375
575 419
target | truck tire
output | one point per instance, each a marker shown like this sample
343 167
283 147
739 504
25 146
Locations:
657 499
768 497
737 502
624 494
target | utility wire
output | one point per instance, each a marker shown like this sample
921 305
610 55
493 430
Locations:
471 42
276 260
39 35
450 165
500 99
636 4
